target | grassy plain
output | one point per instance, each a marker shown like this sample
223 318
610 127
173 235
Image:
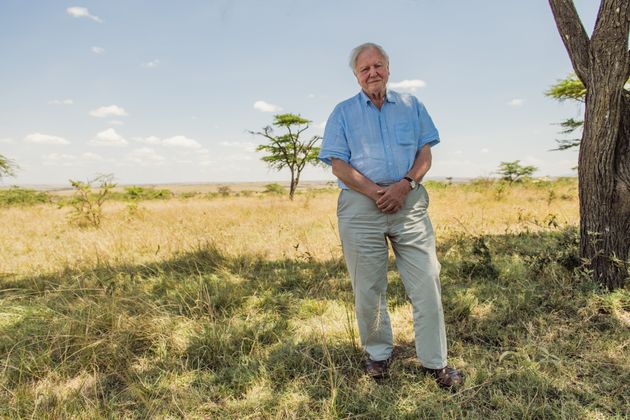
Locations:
241 307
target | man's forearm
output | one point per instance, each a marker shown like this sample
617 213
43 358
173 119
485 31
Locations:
421 164
354 179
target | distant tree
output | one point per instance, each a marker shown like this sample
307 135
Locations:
289 150
86 203
514 171
224 191
602 64
7 167
572 89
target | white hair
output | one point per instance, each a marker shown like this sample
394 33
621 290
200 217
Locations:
354 54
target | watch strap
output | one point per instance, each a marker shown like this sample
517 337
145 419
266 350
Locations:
412 182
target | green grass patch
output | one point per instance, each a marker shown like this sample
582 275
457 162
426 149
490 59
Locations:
16 196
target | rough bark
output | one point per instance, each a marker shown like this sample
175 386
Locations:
294 184
604 161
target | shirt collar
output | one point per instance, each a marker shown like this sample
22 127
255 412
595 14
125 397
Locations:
390 96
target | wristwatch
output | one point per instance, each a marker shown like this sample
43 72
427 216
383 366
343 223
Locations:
412 183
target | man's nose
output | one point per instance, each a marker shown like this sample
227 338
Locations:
373 71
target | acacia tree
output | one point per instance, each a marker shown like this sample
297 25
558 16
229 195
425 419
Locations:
288 150
602 63
7 167
514 171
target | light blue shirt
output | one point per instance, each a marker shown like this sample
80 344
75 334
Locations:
381 144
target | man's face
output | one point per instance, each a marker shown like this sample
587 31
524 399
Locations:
372 71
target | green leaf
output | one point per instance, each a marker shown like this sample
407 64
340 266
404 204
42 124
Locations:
569 88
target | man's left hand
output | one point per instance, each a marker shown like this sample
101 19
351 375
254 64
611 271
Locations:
393 197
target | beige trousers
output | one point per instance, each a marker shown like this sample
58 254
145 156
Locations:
364 232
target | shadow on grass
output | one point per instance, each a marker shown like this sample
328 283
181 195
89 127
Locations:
535 337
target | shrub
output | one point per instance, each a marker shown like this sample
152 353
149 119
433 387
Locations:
16 196
435 185
144 193
224 191
189 194
274 189
87 204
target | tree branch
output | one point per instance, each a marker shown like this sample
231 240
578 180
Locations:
573 36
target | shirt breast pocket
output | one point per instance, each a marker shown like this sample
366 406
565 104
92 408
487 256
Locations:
405 134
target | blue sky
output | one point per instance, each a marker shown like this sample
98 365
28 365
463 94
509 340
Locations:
164 91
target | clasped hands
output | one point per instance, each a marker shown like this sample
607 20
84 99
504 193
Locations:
390 199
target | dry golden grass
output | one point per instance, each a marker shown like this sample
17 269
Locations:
40 239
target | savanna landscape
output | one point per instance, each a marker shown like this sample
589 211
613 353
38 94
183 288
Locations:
234 302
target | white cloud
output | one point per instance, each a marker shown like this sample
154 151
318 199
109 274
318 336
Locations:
116 122
208 161
151 64
108 111
98 50
148 140
145 156
516 102
82 12
240 157
175 141
7 141
61 102
91 156
39 138
311 96
247 146
181 141
266 107
484 150
408 85
108 137
59 156
59 159
320 125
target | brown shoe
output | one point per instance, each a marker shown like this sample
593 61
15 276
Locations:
446 377
377 369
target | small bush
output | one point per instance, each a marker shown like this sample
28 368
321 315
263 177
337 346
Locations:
224 191
87 204
16 196
146 193
247 193
189 194
435 185
274 189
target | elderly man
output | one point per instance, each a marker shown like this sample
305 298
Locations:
379 145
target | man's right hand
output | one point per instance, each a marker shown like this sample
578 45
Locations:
392 198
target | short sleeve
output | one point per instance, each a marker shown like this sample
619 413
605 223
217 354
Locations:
335 143
428 132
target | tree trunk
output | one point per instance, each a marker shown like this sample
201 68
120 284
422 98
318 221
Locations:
602 63
604 188
294 182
